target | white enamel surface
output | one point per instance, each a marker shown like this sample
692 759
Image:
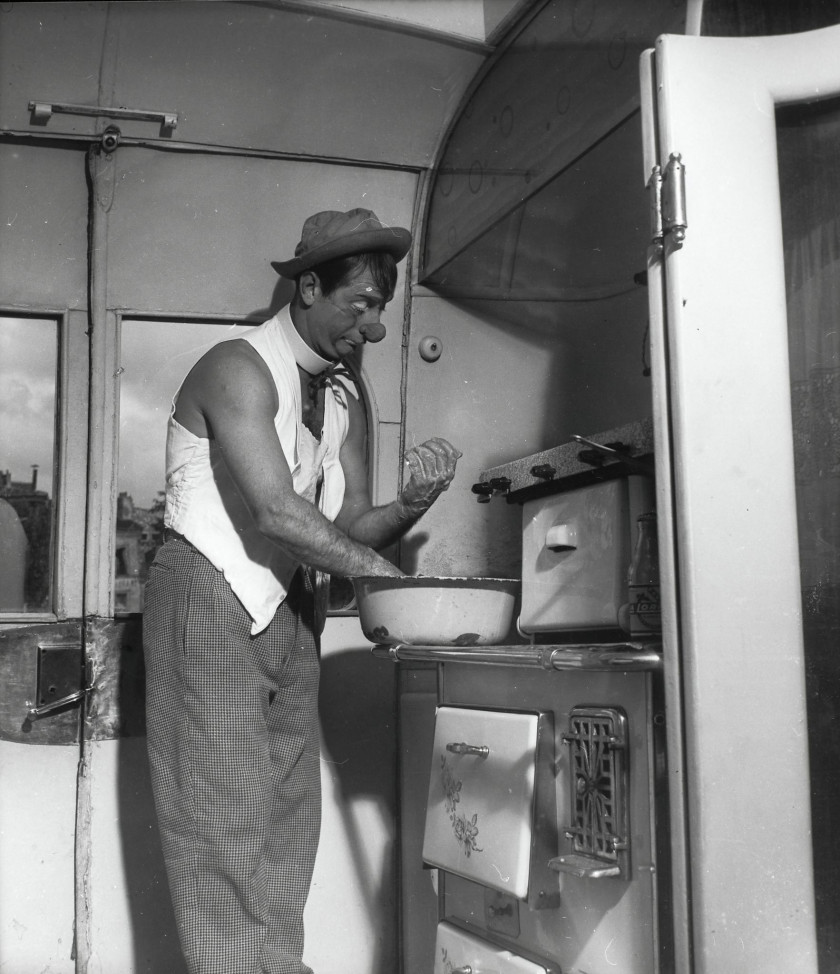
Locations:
479 811
37 811
430 616
733 475
576 552
455 949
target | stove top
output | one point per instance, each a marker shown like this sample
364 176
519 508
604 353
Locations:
572 465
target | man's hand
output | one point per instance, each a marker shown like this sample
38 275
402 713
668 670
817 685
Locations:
432 467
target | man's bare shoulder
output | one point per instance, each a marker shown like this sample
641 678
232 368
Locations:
227 374
235 353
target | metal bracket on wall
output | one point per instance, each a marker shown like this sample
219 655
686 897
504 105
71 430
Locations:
40 667
42 111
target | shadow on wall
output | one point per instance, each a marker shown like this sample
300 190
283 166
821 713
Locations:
356 886
282 295
152 920
410 548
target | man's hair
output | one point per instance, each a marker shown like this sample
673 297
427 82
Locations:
334 273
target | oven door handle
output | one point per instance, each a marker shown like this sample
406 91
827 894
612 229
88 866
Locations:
584 867
562 537
480 750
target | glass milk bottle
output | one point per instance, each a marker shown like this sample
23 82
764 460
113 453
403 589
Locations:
643 582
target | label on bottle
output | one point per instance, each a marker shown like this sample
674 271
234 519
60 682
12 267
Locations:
645 611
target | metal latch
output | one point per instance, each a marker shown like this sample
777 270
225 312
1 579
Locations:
60 678
667 202
42 111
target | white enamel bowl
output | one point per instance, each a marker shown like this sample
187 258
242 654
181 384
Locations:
429 611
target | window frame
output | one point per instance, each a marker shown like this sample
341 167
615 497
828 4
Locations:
69 465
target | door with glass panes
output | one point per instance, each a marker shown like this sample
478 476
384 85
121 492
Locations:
82 426
44 393
743 137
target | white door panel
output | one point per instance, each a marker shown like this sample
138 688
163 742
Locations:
727 382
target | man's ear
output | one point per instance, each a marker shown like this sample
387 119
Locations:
309 287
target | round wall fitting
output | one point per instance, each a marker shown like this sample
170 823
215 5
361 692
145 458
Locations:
430 348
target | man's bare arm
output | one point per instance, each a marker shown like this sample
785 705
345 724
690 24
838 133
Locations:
234 393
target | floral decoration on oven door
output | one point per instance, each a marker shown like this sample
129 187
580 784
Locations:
466 830
491 808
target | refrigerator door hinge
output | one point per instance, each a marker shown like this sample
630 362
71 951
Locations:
667 202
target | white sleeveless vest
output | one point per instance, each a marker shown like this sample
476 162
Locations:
203 504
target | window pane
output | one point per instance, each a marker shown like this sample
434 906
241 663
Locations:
28 363
155 356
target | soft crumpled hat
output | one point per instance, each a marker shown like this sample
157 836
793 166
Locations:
332 234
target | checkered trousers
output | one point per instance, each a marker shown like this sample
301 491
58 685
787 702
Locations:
234 752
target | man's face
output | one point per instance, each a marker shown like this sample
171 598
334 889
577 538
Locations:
347 318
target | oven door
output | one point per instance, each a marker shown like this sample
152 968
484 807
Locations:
457 952
491 783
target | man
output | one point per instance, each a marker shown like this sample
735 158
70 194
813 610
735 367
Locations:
266 486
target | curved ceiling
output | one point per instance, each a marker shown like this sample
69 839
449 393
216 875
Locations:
566 79
374 82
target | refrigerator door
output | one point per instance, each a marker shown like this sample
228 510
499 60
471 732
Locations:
726 289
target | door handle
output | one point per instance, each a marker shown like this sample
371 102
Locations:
585 867
35 712
561 537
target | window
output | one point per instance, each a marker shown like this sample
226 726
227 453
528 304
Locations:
28 370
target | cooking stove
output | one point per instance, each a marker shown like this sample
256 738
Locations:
546 812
